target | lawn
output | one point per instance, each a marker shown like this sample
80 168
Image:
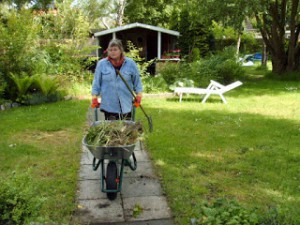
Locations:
44 141
247 150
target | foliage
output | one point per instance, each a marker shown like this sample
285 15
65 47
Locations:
221 67
22 84
170 72
46 43
284 50
19 202
36 4
184 82
137 210
194 34
97 11
223 211
221 32
154 12
18 42
35 89
133 52
67 44
195 55
47 85
2 85
154 84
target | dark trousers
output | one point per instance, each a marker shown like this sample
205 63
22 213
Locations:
117 116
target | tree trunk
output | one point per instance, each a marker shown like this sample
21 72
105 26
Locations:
238 44
279 64
291 64
121 7
264 59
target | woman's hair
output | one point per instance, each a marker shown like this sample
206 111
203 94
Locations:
116 43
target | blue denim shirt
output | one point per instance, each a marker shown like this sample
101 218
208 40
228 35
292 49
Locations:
115 97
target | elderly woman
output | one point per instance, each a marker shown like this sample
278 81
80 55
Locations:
116 100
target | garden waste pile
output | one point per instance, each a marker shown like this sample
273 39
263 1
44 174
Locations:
114 133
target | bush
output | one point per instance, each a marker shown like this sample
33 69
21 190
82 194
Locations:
154 84
37 89
19 202
134 53
221 67
194 55
184 82
170 72
2 85
223 211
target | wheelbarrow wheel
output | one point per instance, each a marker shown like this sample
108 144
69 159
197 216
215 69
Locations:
111 180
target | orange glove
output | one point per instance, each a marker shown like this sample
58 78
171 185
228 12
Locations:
137 101
95 103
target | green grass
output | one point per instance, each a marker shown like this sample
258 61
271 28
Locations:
46 139
247 150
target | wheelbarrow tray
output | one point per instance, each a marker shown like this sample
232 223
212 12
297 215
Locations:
109 152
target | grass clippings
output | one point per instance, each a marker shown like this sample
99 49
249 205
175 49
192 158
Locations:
114 133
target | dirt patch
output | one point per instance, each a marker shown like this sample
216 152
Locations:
60 137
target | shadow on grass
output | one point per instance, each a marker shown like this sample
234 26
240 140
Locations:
210 154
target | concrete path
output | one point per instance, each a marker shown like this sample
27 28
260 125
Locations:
141 192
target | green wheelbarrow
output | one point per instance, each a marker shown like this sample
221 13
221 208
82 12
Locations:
116 158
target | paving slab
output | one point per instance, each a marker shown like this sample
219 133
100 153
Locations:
90 189
152 207
141 188
138 187
101 211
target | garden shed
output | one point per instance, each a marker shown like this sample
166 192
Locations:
153 40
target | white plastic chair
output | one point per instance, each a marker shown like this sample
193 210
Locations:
214 88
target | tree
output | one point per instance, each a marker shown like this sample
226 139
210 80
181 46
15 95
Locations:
35 4
120 14
230 13
99 13
274 19
153 12
194 33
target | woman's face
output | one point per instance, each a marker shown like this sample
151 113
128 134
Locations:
114 52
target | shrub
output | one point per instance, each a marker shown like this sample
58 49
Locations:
153 84
18 41
283 215
19 202
184 82
194 55
223 211
134 53
47 85
37 89
170 72
2 85
22 84
221 67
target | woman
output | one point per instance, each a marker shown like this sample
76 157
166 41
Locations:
116 100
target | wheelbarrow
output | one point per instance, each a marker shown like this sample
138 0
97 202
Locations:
116 158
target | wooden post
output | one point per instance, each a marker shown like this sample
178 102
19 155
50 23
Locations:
158 45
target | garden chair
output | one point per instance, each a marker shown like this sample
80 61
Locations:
214 88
